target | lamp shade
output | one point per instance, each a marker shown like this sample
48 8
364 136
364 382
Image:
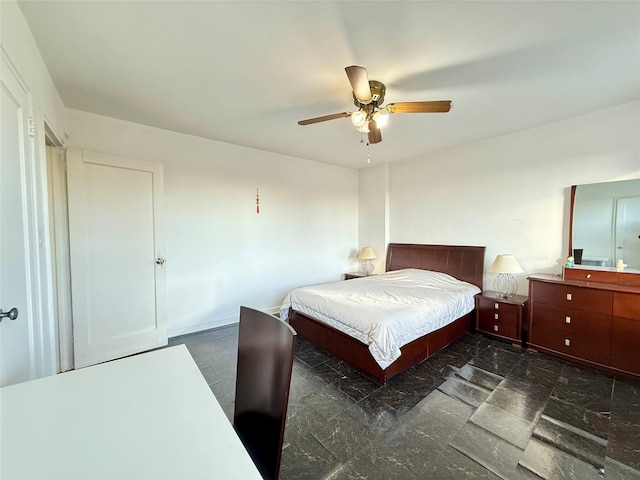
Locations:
381 117
505 263
358 118
367 253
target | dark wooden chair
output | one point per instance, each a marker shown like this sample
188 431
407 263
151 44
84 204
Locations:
265 359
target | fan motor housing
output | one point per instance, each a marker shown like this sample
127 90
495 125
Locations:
377 94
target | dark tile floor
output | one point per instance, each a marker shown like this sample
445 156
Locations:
479 409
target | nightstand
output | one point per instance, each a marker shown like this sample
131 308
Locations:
500 317
350 275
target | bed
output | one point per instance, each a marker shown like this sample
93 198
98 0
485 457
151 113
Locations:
464 263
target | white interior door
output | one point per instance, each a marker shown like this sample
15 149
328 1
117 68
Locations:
117 256
627 239
16 336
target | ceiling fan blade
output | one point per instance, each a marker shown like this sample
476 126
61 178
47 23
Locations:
437 106
374 132
324 118
359 82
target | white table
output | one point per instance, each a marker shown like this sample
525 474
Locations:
149 416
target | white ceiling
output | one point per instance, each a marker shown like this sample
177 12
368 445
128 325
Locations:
246 72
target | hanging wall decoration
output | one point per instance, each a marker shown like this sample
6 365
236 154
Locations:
257 201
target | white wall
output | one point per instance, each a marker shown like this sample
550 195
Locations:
23 52
373 212
220 253
512 193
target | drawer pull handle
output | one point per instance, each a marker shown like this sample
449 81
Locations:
588 275
495 328
567 319
567 342
496 306
568 296
496 316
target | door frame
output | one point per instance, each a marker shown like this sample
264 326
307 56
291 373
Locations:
60 257
47 338
617 201
43 335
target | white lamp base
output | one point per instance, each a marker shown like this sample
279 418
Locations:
367 267
505 284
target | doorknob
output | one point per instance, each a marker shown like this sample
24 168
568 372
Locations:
161 261
11 314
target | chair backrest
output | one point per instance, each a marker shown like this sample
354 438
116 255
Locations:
265 359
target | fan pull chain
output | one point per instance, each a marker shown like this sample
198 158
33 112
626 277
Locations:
368 144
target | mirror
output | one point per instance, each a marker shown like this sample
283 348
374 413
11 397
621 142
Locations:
605 223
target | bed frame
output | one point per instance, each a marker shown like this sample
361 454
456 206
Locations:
462 262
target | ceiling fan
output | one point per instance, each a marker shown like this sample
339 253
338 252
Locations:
368 97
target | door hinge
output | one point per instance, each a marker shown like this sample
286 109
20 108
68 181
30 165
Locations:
65 165
32 127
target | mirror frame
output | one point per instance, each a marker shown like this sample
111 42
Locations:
571 207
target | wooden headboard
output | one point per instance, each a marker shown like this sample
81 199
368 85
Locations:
462 262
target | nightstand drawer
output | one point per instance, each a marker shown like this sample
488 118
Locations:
487 323
497 310
503 318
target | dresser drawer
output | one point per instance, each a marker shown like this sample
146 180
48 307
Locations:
632 279
587 275
625 342
626 305
572 332
577 346
587 299
565 320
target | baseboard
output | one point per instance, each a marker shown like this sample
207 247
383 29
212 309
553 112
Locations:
198 327
216 323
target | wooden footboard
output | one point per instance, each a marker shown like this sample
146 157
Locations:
357 353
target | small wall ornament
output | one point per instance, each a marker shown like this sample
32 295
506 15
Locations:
257 201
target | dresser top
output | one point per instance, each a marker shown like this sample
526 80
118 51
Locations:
550 278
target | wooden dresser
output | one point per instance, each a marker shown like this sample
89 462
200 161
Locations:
588 315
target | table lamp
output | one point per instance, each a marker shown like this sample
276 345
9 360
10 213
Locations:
367 256
505 266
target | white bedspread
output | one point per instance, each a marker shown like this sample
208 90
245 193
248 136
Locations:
386 311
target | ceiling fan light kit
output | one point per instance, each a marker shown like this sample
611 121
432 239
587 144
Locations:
368 97
381 117
358 118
